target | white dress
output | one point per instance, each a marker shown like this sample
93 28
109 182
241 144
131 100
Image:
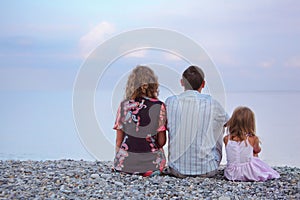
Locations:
243 166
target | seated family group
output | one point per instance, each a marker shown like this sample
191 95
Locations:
195 123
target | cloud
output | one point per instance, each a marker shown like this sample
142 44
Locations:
137 54
293 62
224 59
266 64
94 37
141 53
172 57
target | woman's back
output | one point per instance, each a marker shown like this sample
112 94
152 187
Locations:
140 126
140 120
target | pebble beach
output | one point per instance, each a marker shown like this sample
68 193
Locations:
70 179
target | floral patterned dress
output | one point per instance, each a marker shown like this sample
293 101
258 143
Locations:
140 120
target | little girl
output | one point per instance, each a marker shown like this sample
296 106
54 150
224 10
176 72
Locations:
140 126
242 148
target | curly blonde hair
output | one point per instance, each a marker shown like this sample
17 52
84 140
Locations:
141 82
241 123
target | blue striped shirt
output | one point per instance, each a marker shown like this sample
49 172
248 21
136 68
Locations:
195 127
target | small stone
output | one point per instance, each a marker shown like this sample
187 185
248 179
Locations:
95 176
11 180
68 179
224 198
119 183
105 176
62 187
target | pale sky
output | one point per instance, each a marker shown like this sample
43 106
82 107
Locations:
255 46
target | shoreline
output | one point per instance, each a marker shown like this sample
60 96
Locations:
79 179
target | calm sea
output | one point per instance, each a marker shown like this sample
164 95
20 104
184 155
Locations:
40 125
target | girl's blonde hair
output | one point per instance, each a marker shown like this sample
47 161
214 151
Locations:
141 82
241 123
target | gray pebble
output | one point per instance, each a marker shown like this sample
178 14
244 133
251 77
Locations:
68 179
105 176
95 176
119 183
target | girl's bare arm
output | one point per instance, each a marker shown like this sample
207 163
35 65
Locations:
256 147
225 139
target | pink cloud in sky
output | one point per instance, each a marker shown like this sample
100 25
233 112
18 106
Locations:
95 36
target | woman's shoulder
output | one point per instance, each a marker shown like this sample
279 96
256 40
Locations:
154 100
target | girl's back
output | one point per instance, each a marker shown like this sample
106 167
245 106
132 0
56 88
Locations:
238 152
242 148
242 165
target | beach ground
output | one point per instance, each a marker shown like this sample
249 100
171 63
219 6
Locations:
70 179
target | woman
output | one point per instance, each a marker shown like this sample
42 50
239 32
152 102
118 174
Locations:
141 126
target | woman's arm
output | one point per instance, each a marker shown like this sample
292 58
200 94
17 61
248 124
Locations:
119 139
161 138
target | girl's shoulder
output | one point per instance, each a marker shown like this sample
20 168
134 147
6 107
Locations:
253 139
225 139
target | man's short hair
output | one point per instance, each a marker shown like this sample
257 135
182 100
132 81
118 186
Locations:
192 77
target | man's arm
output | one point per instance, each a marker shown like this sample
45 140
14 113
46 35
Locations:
221 118
219 145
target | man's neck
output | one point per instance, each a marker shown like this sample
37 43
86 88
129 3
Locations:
199 90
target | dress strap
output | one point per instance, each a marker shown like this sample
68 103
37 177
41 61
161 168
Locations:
248 134
229 137
248 142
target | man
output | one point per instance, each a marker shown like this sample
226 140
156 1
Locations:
196 126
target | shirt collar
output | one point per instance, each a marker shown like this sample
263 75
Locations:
190 93
193 93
